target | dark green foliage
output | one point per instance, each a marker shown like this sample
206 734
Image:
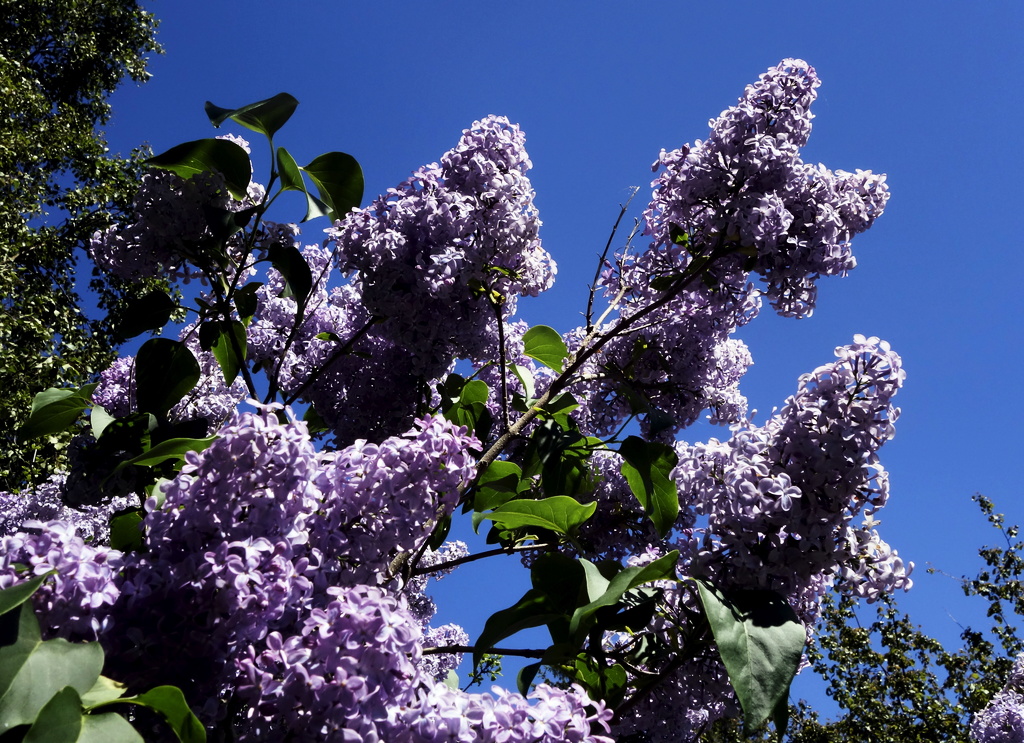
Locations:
59 62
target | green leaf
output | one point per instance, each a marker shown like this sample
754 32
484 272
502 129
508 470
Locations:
99 419
603 592
165 371
33 671
440 533
208 156
339 180
602 682
55 410
165 450
761 641
293 267
60 719
646 466
498 484
170 704
104 690
292 180
559 513
525 677
265 117
147 312
246 302
126 530
525 377
545 345
108 728
227 340
13 597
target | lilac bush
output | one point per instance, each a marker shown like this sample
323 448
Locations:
281 480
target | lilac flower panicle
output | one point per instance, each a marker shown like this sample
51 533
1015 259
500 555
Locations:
77 602
745 196
1002 721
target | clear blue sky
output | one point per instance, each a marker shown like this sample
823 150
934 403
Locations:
928 92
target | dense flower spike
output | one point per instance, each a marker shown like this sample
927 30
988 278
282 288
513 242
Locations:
779 499
77 602
744 197
1002 721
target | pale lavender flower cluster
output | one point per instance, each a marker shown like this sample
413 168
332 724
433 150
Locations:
340 677
431 252
744 196
779 499
747 186
286 345
556 716
387 497
77 602
1002 721
44 503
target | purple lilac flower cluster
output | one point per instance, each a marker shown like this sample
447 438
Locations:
430 259
77 603
1002 721
744 196
779 499
557 715
44 503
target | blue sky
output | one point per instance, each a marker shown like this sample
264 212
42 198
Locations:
927 92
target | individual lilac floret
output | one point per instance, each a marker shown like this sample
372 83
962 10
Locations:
1002 721
75 603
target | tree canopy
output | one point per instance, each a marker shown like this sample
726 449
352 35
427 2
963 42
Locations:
59 62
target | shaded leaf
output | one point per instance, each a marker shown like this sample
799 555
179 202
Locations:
265 117
126 530
293 267
55 410
646 466
228 341
33 671
603 592
339 180
292 180
761 641
208 156
165 371
148 312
